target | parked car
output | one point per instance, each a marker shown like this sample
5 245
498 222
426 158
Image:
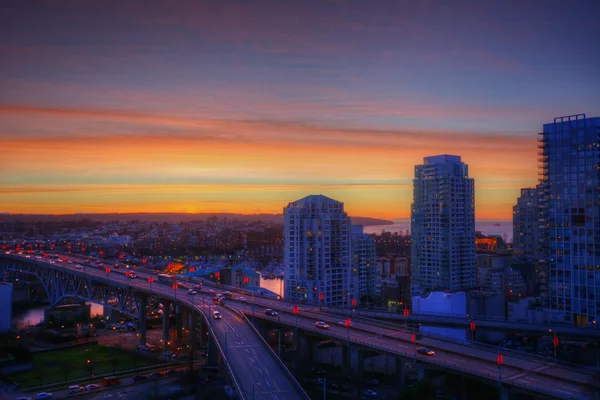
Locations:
321 325
426 351
270 312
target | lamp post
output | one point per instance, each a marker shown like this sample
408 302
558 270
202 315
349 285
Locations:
296 311
278 341
150 280
414 342
555 345
406 314
472 327
500 362
253 309
175 287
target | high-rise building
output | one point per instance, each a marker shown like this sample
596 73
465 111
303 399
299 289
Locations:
365 258
570 171
443 225
318 252
525 223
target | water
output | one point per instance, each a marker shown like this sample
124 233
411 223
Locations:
274 285
500 227
34 316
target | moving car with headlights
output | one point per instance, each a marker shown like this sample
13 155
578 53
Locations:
217 315
321 325
426 351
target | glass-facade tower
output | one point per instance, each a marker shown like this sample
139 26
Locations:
570 169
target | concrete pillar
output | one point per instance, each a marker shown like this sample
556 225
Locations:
422 374
357 361
400 376
192 321
179 317
166 312
142 320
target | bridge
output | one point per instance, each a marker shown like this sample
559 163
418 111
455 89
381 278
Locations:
519 371
255 371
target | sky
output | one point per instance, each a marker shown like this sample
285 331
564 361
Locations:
245 106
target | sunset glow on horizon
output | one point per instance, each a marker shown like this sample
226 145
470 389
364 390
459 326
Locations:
245 107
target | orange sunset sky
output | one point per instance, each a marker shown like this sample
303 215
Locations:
247 106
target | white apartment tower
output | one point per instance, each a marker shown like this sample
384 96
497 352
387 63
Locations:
443 225
318 252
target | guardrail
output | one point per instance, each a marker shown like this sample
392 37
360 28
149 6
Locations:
281 364
430 360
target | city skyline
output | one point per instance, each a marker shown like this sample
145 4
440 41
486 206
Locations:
224 107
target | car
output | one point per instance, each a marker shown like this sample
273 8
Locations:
75 389
319 381
181 285
51 261
198 287
242 299
44 395
211 291
270 312
321 325
372 382
86 262
426 351
78 266
117 266
204 354
60 260
192 292
139 378
227 294
101 265
132 276
171 372
69 262
343 323
217 315
155 375
38 257
369 393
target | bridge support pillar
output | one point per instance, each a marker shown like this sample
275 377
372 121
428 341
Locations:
165 321
179 318
192 322
142 320
357 361
400 373
421 374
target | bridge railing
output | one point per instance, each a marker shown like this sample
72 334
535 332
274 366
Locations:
236 384
281 364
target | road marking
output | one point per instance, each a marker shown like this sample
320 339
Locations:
260 371
267 382
253 360
267 371
242 345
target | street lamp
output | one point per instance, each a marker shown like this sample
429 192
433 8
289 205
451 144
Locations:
278 341
555 345
500 362
414 342
472 327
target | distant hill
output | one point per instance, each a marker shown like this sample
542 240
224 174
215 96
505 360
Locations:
168 217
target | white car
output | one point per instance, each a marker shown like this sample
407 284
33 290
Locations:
243 299
192 292
78 266
92 386
321 325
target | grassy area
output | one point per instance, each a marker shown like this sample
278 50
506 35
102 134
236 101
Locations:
78 362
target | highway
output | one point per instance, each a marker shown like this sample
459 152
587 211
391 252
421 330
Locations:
521 371
248 366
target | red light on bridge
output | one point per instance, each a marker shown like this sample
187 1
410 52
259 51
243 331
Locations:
321 296
246 280
472 325
500 359
175 286
412 338
555 341
83 249
347 323
29 246
64 259
296 310
101 252
353 302
121 256
406 312
128 274
68 247
52 246
218 275
45 255
143 261
40 245
150 279
192 269
107 270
